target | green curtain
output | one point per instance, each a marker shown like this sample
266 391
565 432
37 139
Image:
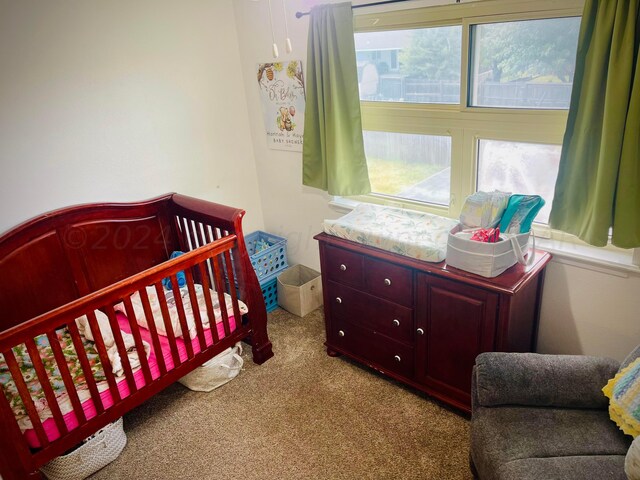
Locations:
598 184
333 149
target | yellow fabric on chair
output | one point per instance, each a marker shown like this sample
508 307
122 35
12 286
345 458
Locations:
623 391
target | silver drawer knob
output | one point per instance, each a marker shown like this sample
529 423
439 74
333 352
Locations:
338 300
420 331
397 358
396 322
340 333
343 267
387 282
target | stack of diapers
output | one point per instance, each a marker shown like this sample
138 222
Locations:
512 213
484 209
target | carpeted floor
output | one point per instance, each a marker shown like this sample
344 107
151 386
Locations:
301 415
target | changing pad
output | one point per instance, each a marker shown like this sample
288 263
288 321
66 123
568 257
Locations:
413 234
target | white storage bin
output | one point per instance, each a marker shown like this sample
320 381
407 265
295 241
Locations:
96 452
486 259
221 369
300 290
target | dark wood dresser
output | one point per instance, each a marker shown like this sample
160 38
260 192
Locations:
424 323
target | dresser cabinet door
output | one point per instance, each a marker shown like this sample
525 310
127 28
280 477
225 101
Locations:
454 323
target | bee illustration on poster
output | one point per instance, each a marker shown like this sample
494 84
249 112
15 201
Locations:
282 91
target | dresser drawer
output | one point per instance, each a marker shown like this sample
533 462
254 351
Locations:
380 351
386 280
343 266
381 316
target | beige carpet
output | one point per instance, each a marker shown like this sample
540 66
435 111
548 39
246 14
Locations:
301 415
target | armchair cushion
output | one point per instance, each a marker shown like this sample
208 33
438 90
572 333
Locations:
563 468
550 441
531 379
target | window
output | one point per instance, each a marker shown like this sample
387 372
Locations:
428 70
526 64
408 166
478 101
527 168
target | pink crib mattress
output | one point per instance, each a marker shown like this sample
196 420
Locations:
70 419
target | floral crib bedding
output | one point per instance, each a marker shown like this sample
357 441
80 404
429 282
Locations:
106 398
10 390
410 233
51 367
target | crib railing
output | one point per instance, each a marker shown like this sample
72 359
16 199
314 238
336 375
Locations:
208 261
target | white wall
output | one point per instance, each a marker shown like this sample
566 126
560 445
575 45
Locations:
589 311
583 311
118 100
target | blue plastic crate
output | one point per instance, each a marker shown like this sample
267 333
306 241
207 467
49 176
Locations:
268 254
270 293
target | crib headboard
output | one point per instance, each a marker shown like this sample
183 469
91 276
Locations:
63 255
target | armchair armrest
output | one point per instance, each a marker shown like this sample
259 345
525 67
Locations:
531 379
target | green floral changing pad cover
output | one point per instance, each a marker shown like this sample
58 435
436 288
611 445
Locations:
413 234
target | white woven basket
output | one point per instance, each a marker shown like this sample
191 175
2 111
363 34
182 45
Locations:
96 452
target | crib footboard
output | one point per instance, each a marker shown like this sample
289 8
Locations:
198 223
148 330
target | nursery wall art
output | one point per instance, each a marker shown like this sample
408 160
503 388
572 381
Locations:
282 92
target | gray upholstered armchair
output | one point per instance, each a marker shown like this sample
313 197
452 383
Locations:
545 417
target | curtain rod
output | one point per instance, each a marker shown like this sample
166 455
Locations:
374 4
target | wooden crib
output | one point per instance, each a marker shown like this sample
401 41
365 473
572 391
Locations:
83 260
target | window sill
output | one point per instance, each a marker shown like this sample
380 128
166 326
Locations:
343 205
617 263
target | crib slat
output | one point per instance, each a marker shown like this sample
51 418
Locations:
122 350
181 316
207 232
27 401
195 229
216 232
45 383
178 227
232 287
196 309
194 237
86 366
151 325
61 361
201 238
213 323
212 232
135 331
104 357
209 237
187 234
167 324
219 282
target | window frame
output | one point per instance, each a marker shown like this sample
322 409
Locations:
464 123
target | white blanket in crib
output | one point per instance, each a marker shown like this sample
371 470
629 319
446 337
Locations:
110 343
173 310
